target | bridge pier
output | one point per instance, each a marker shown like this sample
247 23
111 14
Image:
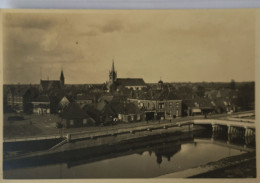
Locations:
68 138
233 131
216 128
248 132
190 127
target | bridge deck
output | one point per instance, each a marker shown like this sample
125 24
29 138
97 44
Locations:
243 124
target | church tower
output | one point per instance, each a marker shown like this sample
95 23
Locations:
62 79
111 85
112 74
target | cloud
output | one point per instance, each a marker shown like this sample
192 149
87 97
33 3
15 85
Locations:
28 21
91 33
86 43
112 26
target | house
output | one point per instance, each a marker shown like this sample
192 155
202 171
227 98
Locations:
225 105
15 97
73 116
106 111
198 106
114 83
222 93
31 94
64 102
159 109
58 98
128 112
159 104
83 99
40 105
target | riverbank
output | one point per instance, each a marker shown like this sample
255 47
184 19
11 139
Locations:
241 166
84 143
44 126
94 150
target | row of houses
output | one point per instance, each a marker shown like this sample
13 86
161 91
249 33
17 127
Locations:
160 105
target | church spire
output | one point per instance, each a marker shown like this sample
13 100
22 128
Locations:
112 74
62 78
113 66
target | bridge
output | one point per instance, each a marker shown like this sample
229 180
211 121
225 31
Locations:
233 126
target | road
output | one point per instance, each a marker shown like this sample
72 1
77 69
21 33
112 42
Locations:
44 126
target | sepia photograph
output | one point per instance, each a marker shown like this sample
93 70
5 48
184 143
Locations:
127 94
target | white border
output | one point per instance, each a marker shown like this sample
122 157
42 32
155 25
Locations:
127 4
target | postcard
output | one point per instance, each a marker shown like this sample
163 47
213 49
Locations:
129 94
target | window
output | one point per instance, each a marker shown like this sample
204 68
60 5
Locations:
161 105
170 105
71 122
141 104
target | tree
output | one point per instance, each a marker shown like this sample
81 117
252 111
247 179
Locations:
246 96
201 91
28 108
232 84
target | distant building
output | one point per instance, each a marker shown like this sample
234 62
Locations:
73 115
15 98
64 102
41 105
128 112
160 85
49 85
83 99
198 106
159 109
130 83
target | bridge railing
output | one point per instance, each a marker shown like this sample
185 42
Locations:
225 123
241 119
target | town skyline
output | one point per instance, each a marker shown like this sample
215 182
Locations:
187 46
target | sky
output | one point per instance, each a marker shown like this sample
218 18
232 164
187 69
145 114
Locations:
174 45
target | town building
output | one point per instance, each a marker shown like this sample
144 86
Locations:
15 97
73 115
84 99
41 105
198 106
129 112
159 109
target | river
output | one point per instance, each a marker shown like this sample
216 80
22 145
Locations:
135 162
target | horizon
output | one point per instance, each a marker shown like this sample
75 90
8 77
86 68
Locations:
174 82
175 45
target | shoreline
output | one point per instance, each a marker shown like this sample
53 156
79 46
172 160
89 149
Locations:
221 168
82 143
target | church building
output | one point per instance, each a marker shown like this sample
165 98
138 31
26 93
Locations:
48 85
130 83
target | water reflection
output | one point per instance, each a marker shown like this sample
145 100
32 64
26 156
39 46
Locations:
236 137
145 158
167 151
